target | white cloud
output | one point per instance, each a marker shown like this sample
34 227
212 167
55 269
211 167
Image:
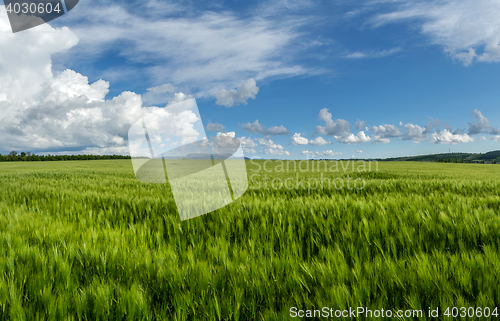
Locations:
225 143
376 139
329 153
178 97
360 124
339 127
318 141
70 84
445 137
43 112
248 142
359 151
297 140
467 29
496 138
166 88
203 52
382 133
248 145
241 94
359 138
323 153
215 127
373 54
228 134
482 125
271 148
55 122
175 126
257 128
415 133
483 138
386 131
156 95
64 112
25 58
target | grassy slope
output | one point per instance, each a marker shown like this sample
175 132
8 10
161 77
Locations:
85 240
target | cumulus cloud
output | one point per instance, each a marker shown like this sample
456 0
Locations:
415 133
225 143
332 127
63 112
248 145
340 129
467 29
496 138
359 151
73 116
360 124
25 59
257 128
481 125
446 137
359 138
271 148
178 97
168 128
377 139
240 95
297 140
382 133
329 153
215 127
318 141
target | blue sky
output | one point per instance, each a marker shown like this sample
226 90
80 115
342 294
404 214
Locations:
292 79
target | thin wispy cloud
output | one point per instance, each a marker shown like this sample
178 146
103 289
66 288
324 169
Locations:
202 52
258 128
373 54
468 30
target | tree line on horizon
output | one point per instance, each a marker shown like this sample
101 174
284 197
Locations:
492 157
14 156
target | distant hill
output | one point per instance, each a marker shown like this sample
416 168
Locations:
491 155
450 157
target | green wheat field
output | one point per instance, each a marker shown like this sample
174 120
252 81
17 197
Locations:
84 240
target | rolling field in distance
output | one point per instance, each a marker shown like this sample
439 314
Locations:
84 240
